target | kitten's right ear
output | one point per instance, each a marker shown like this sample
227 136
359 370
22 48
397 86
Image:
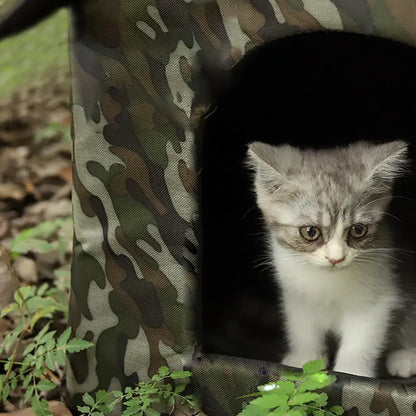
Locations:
259 159
385 162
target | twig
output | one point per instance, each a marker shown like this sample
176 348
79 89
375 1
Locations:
13 357
5 253
52 376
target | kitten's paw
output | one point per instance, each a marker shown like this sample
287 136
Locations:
298 360
402 363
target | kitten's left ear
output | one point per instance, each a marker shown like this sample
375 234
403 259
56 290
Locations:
261 158
385 162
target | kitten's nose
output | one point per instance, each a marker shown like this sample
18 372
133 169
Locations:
335 261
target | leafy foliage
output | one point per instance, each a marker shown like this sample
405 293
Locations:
149 398
297 394
43 355
53 130
49 236
39 239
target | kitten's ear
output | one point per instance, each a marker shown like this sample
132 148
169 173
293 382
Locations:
385 162
262 158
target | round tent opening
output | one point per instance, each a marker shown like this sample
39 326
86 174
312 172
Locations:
313 90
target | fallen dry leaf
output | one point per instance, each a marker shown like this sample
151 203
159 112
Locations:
55 407
7 285
12 191
66 173
26 269
4 227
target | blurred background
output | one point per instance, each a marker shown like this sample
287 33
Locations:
35 164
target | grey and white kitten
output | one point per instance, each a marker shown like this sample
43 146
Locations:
329 244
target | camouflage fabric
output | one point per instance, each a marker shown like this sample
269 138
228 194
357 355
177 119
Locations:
223 379
136 71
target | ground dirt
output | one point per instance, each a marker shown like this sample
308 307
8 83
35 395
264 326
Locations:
35 186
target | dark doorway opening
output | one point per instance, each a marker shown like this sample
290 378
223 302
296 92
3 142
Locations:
316 90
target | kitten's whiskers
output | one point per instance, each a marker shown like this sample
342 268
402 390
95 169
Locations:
385 213
381 198
375 255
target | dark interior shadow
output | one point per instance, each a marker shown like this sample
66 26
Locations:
311 90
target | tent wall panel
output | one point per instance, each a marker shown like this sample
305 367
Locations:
221 379
137 67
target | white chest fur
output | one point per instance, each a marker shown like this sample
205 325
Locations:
356 302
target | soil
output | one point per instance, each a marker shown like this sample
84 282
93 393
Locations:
35 186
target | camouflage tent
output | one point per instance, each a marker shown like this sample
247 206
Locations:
146 75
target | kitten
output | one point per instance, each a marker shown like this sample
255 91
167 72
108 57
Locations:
329 244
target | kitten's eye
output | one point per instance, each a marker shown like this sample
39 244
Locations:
358 231
310 233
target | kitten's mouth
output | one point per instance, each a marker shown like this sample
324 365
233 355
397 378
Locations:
334 267
339 266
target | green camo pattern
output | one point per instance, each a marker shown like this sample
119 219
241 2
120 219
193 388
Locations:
218 375
135 200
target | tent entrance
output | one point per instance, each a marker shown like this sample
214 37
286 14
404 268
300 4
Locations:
317 90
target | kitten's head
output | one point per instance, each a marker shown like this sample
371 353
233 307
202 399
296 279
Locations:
326 204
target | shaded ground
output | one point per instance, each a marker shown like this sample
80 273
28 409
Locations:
35 155
35 183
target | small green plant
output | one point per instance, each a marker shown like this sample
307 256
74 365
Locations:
43 355
46 237
54 235
157 396
33 354
297 394
53 130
